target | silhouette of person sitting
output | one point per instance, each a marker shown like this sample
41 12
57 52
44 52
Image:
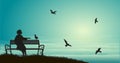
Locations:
19 42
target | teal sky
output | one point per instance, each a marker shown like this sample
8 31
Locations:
74 20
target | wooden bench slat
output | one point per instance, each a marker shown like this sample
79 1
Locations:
26 42
26 49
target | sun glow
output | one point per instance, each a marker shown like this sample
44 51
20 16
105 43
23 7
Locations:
85 31
81 32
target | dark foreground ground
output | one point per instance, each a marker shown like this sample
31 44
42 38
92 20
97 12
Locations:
36 59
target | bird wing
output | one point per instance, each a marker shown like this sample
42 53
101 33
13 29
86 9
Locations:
65 41
96 20
99 49
55 11
51 11
96 52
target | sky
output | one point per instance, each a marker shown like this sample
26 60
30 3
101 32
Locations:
74 21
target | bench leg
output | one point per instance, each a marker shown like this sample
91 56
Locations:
38 52
42 50
6 48
6 51
10 51
42 53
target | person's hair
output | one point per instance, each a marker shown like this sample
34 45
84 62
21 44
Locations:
19 31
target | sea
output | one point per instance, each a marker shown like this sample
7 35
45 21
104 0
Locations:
82 53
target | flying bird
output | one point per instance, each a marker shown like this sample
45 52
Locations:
66 43
35 36
96 21
53 12
98 51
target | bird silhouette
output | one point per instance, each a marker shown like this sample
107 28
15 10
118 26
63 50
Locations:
35 36
98 51
66 43
96 21
53 12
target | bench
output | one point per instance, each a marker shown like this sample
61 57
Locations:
39 48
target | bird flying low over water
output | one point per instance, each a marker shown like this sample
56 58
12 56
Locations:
66 43
52 12
96 21
98 51
35 36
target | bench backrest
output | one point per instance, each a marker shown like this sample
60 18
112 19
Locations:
26 42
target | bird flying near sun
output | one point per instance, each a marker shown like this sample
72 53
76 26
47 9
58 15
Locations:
98 51
96 21
66 43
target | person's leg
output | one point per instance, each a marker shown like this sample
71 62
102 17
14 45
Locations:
22 52
23 49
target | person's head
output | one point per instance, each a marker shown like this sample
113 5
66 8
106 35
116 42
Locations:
19 32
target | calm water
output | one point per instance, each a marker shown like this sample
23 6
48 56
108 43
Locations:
109 55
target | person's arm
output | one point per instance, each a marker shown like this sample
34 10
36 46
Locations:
23 38
26 38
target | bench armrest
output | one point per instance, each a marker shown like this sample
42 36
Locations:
41 46
7 46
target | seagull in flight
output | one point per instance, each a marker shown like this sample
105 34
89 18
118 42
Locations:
96 21
35 36
53 12
98 51
66 43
